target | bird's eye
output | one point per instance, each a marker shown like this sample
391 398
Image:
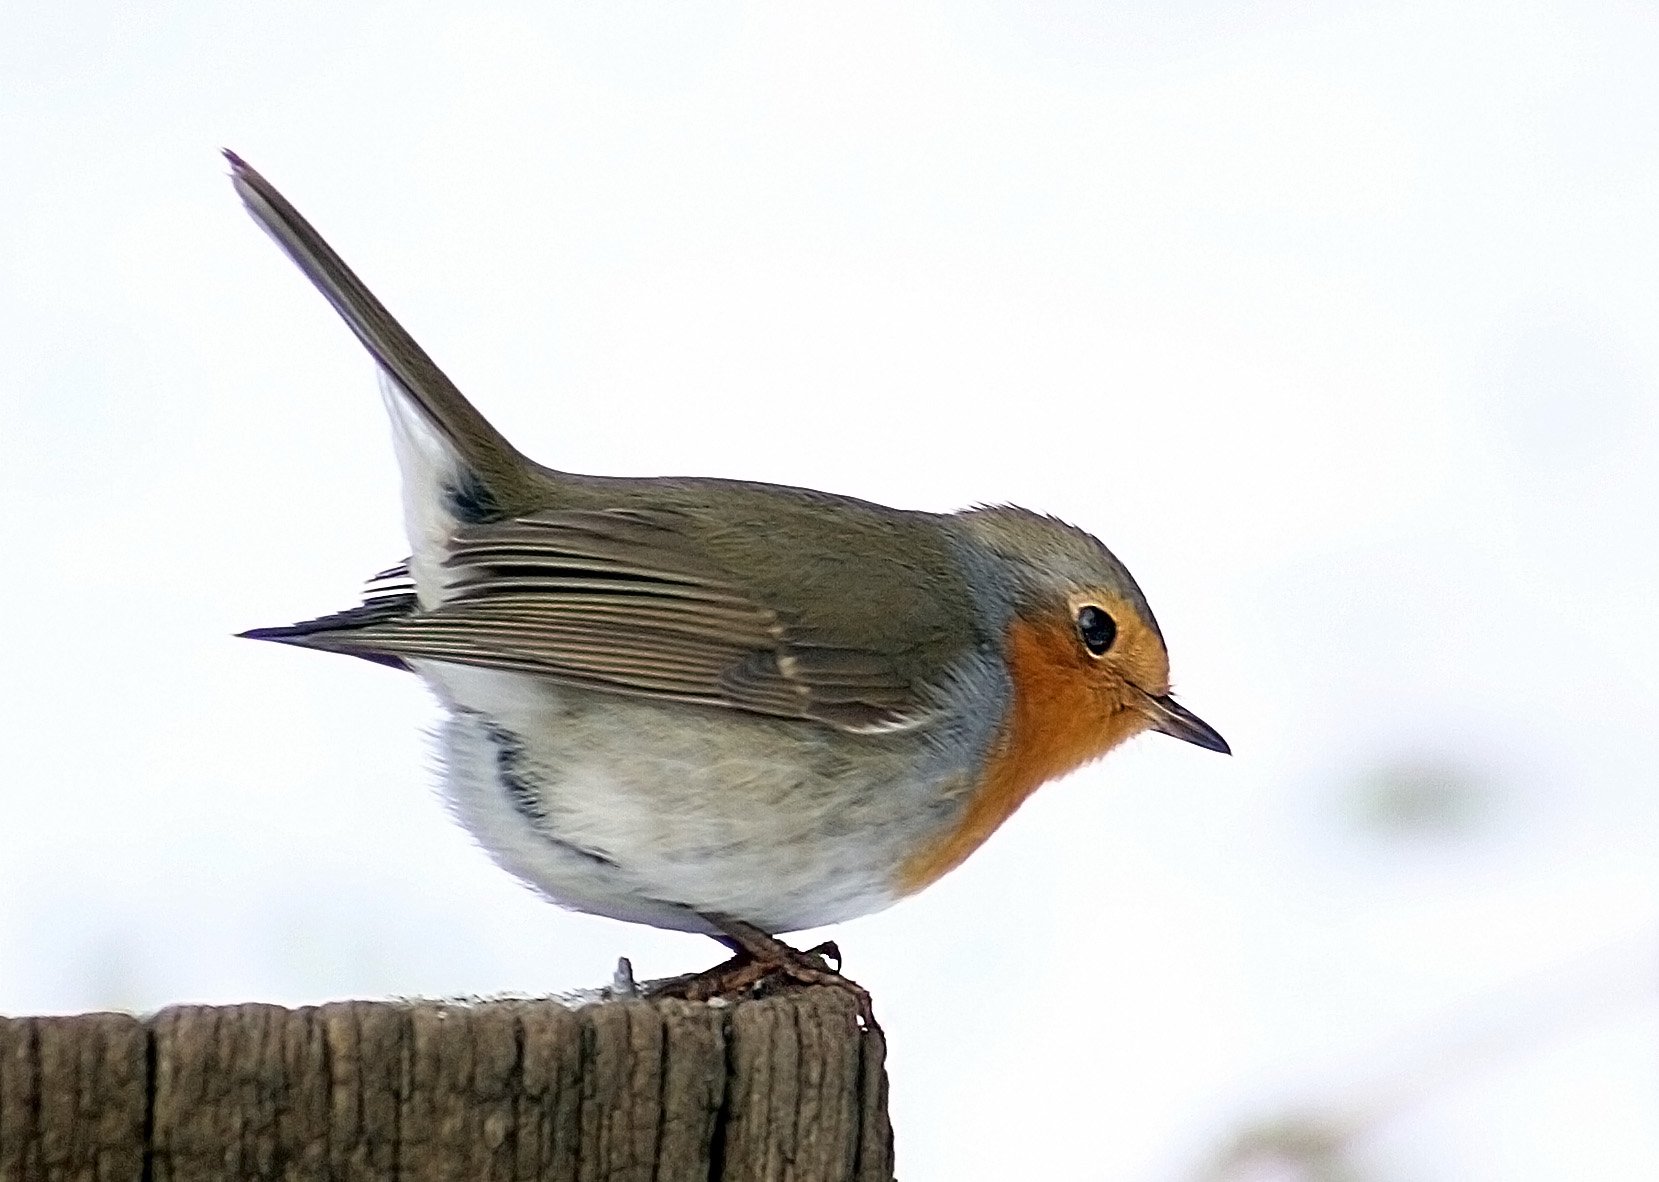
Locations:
1097 629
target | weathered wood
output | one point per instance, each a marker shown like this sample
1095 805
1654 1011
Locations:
788 1088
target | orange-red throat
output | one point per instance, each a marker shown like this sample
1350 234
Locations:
1066 711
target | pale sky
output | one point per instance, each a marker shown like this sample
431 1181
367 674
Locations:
1336 322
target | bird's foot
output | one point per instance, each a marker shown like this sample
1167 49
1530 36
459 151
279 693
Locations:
761 962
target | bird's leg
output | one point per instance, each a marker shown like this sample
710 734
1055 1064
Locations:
759 958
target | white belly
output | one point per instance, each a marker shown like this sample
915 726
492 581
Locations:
655 813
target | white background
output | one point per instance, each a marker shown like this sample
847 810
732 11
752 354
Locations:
1337 322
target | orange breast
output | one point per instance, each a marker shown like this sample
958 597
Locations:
1062 716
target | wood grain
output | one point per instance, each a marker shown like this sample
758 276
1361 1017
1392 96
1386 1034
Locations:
788 1088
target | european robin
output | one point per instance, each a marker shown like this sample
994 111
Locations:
720 706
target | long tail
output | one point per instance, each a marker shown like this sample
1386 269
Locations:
485 466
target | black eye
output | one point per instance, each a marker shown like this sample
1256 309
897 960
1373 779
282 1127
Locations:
1097 629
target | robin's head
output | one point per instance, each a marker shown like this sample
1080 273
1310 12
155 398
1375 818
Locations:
1082 645
1086 662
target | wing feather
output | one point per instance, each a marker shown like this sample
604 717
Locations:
620 600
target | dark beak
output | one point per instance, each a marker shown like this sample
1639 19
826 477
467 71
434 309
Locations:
1172 718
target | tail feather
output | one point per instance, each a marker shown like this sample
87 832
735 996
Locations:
412 378
457 468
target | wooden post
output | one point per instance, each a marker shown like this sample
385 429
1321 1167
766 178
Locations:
786 1088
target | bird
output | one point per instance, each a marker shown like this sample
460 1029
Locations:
722 706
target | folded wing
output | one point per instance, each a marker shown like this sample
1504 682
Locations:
619 600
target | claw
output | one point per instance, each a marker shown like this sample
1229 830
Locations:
829 950
761 960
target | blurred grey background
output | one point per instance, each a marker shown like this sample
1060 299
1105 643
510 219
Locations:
1335 321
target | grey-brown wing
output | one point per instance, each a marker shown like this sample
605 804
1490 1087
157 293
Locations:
625 601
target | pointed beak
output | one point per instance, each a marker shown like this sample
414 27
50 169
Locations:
1171 718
